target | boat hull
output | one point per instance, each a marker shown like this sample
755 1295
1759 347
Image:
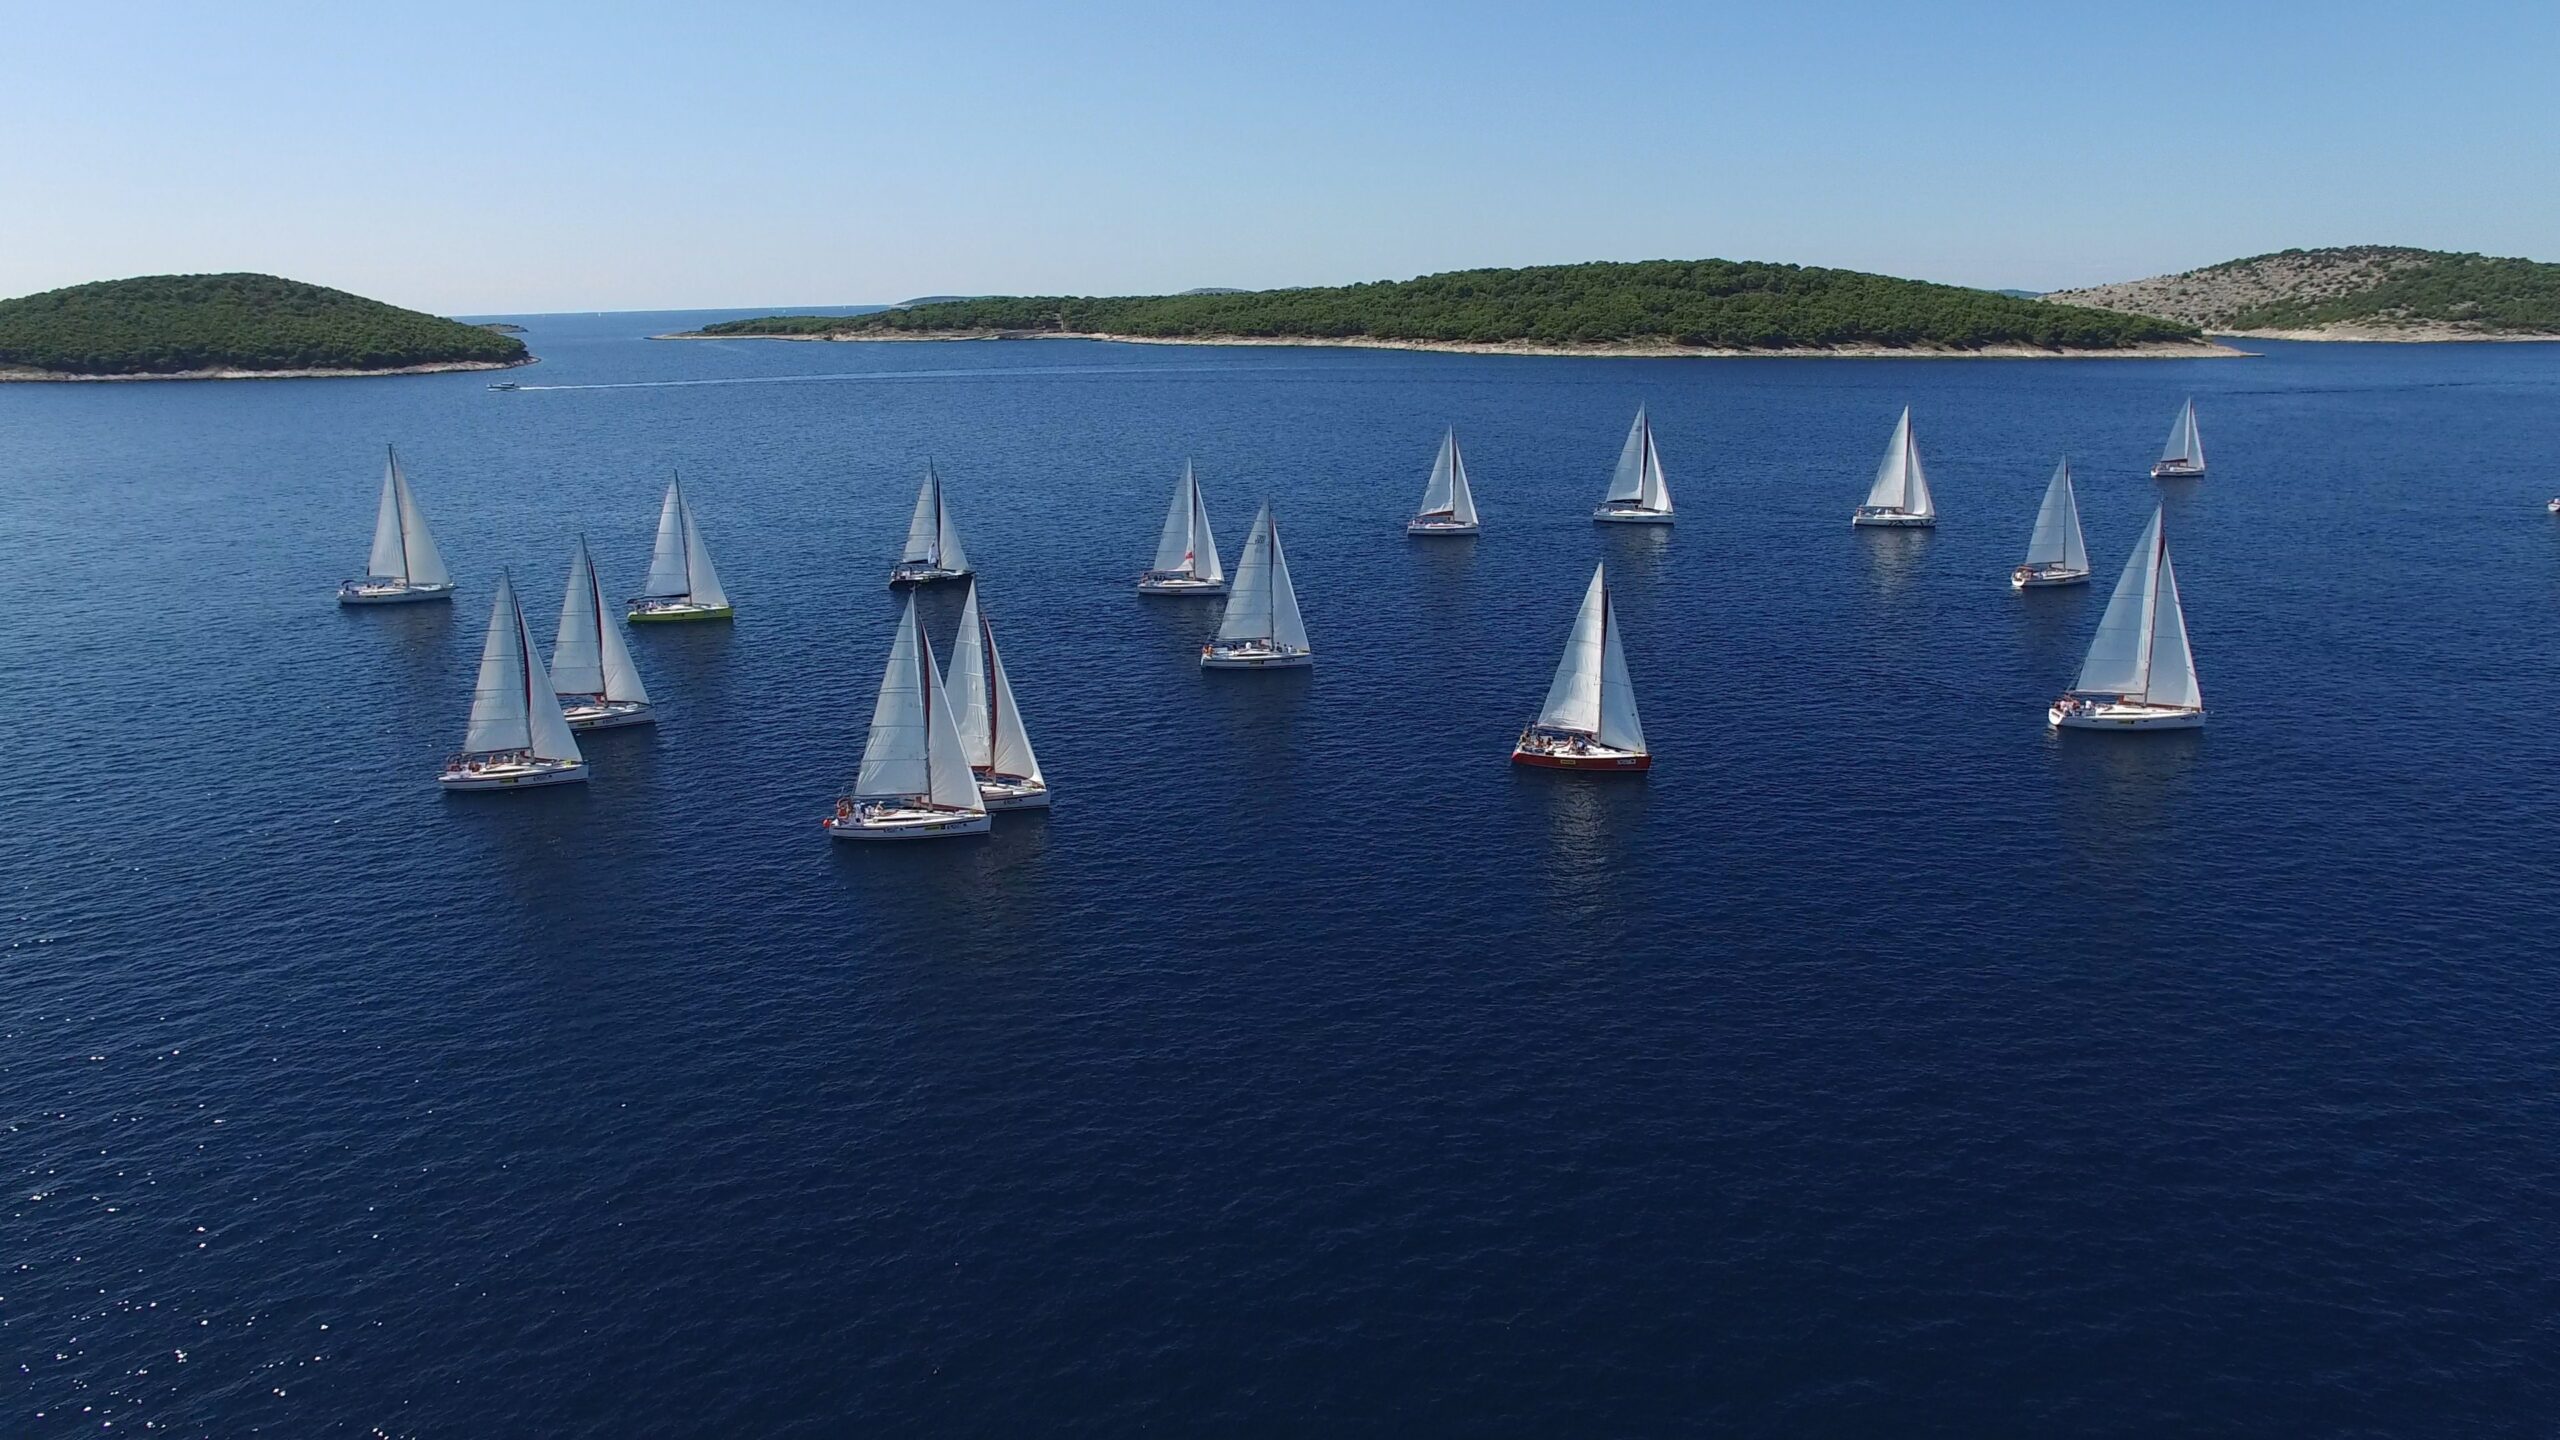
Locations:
1214 658
2028 577
1629 515
609 715
2176 470
1441 527
904 576
1597 762
678 613
1179 585
1012 792
2116 715
467 775
356 592
902 824
1893 520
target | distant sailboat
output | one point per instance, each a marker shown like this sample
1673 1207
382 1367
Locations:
1900 497
1186 553
2183 457
1589 721
933 550
681 584
991 730
915 782
2140 673
1638 495
1262 629
518 738
1448 506
2056 554
404 565
591 670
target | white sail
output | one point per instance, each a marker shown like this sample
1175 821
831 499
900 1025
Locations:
1174 548
403 547
965 681
1462 498
2141 647
1288 628
2057 539
1248 614
512 705
1013 754
697 563
2184 443
924 527
1655 491
1205 564
914 749
589 656
1591 692
669 575
1627 482
1901 483
954 557
1440 492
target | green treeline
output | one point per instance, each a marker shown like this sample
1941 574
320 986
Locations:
1710 304
162 324
2479 291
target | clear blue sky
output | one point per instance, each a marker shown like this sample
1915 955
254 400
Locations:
483 158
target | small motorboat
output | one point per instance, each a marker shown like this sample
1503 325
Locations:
506 385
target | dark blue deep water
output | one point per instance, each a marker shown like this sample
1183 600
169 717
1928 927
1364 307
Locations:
1881 1065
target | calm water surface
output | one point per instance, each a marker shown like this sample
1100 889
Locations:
1883 1064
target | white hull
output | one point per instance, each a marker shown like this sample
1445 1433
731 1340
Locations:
1012 792
2176 470
1629 515
390 592
2554 506
905 575
1154 584
644 612
1436 525
585 713
514 773
876 821
2031 577
1253 655
2067 714
1892 519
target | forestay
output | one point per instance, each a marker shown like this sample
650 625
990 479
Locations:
1592 693
1901 482
2057 539
589 656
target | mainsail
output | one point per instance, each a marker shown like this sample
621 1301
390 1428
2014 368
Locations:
1638 477
2141 649
1264 604
914 751
1446 493
512 704
589 657
403 549
2184 443
991 730
1591 692
931 537
680 564
2057 539
1901 483
1187 547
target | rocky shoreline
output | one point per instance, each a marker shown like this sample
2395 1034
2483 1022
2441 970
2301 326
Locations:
22 375
1640 350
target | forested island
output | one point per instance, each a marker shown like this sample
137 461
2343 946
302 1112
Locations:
1643 307
231 326
2356 292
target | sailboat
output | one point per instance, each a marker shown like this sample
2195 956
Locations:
915 782
1589 721
518 738
2183 457
933 550
2056 554
1638 495
591 670
1262 629
1900 497
404 566
1186 553
681 584
991 732
1448 506
2140 673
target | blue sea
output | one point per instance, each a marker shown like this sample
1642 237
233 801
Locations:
1883 1064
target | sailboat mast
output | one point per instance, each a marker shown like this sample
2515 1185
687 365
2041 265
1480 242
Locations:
684 519
524 664
2151 630
595 597
995 702
400 509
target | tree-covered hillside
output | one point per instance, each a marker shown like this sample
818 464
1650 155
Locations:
166 324
1705 304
